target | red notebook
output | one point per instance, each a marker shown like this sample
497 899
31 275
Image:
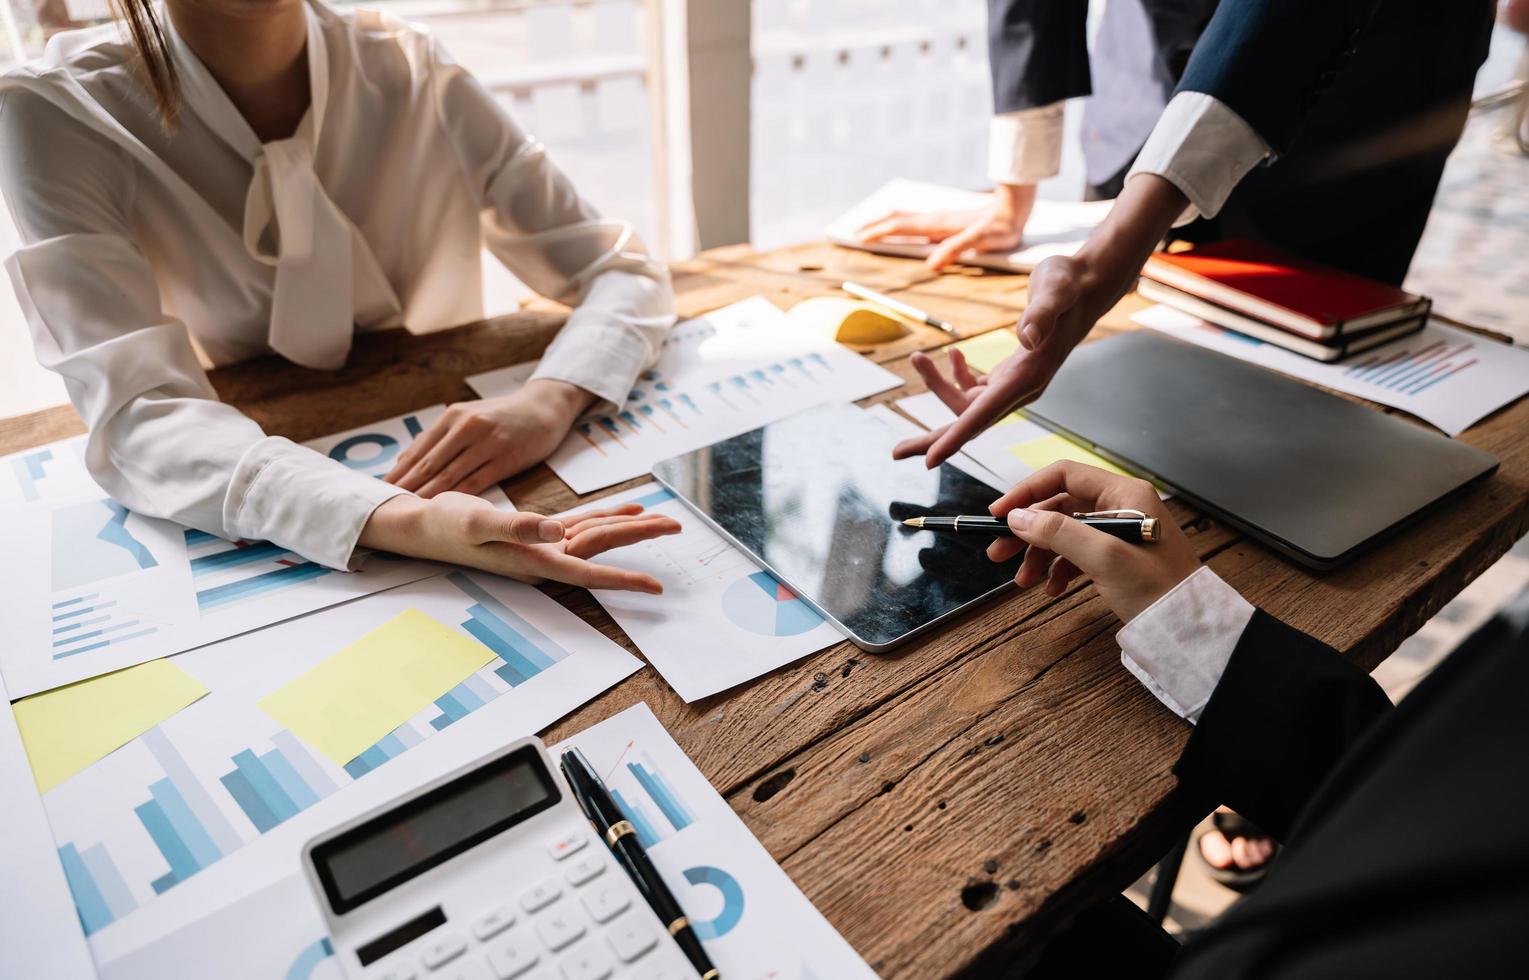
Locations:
1306 298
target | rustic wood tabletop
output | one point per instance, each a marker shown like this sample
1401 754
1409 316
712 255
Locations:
949 804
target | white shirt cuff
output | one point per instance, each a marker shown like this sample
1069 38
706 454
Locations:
613 335
1025 147
1179 646
302 500
1204 149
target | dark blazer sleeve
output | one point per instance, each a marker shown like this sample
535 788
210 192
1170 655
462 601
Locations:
1285 710
1037 52
1271 60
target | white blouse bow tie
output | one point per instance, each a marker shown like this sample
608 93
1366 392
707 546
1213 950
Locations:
326 276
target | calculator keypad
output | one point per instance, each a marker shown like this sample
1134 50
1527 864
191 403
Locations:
583 930
588 962
560 926
442 950
513 957
606 900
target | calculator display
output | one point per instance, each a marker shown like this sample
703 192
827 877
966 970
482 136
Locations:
430 829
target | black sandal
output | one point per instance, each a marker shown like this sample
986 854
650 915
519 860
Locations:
1231 826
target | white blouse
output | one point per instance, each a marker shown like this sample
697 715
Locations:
139 242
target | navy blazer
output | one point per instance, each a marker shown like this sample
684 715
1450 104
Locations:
1360 100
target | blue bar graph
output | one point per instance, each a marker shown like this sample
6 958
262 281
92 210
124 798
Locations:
655 497
280 578
108 881
390 746
275 786
195 538
525 650
88 900
668 802
29 470
647 836
238 554
124 638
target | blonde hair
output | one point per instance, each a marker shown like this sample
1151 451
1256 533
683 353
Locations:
158 68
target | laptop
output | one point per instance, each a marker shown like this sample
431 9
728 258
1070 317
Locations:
1314 476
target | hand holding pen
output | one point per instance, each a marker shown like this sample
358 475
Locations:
1058 547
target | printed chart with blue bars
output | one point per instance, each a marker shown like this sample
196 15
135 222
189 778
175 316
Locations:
657 407
1412 372
649 795
47 474
183 822
29 470
92 546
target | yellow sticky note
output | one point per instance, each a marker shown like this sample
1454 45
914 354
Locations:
346 704
69 728
1042 452
984 351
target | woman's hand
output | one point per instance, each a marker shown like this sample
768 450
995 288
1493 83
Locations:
477 444
1068 295
1129 577
999 227
466 530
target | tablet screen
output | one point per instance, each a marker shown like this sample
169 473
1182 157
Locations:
818 500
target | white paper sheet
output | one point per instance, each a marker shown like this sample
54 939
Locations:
994 447
728 372
1448 377
214 803
1054 227
721 620
753 920
54 473
39 931
94 587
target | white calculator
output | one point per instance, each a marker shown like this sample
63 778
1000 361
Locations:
487 873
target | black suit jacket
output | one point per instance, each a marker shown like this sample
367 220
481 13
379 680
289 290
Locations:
1406 843
1361 101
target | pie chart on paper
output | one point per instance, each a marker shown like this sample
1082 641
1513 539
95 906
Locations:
759 604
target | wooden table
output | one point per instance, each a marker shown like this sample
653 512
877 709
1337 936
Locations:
950 804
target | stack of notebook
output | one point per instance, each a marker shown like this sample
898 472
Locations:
1312 309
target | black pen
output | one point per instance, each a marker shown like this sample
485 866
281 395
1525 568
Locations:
1127 525
621 837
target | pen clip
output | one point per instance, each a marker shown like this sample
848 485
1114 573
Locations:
1121 512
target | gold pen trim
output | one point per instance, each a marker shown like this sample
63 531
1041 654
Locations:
711 974
683 922
618 830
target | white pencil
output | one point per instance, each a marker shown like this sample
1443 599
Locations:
898 307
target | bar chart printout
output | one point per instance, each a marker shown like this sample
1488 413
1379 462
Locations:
162 813
731 371
1448 377
1412 372
753 921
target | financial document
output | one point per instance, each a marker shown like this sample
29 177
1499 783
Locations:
752 919
718 375
722 620
94 587
1448 377
213 803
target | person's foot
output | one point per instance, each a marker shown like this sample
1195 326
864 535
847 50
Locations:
1235 850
